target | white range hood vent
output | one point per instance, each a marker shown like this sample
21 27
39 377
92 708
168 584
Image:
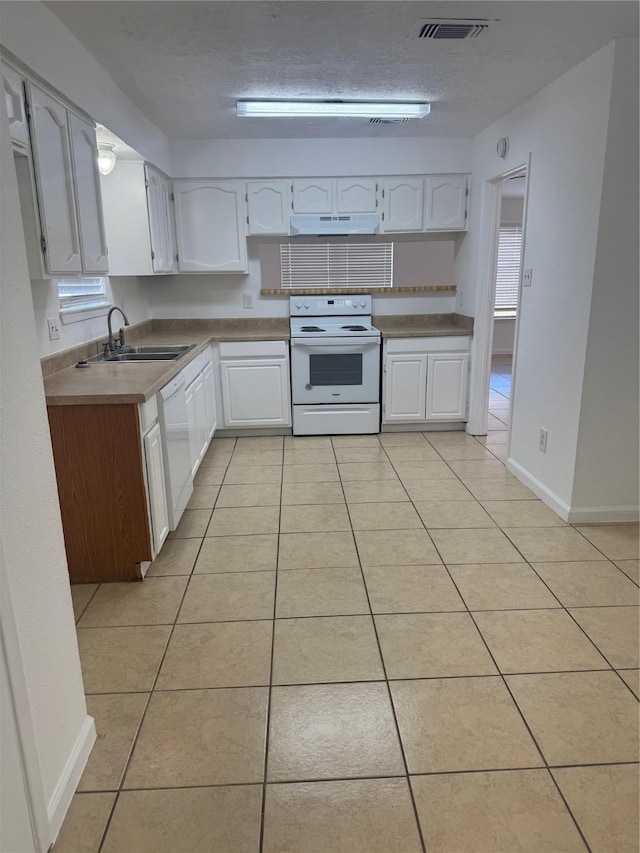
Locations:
312 224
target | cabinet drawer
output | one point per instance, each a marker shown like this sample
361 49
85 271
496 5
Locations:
454 343
253 349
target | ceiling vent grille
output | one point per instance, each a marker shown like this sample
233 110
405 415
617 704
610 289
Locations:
388 120
449 29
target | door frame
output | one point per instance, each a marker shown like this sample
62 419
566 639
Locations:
491 204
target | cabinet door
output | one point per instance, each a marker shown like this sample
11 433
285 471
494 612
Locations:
356 195
269 207
447 381
210 400
154 181
14 99
402 203
445 203
168 226
405 388
210 226
313 196
202 429
192 421
255 392
156 487
54 183
84 150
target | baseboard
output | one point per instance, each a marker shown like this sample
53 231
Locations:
546 495
603 514
574 515
68 782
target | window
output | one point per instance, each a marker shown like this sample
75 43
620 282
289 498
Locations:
361 265
508 272
82 294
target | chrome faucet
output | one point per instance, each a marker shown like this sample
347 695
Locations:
111 343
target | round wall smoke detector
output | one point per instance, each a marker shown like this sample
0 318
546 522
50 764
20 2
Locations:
502 147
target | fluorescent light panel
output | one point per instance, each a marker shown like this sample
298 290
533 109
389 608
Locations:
331 109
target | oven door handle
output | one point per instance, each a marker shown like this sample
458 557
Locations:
337 347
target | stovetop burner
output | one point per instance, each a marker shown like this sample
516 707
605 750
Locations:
354 328
311 329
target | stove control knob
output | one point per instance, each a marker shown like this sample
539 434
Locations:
298 305
363 304
306 305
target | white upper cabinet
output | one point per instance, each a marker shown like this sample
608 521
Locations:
313 196
12 86
54 182
402 204
210 226
445 202
84 151
268 207
356 195
161 221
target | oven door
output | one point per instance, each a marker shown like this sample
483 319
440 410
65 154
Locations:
335 370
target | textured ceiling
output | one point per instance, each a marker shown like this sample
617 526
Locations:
186 63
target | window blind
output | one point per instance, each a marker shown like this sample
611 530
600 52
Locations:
81 294
508 272
361 265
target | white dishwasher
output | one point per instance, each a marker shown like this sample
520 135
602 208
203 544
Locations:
174 426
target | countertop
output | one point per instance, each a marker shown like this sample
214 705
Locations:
423 325
115 383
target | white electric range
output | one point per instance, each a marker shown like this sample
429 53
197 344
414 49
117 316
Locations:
335 365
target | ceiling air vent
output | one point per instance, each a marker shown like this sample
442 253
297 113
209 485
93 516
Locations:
452 29
388 120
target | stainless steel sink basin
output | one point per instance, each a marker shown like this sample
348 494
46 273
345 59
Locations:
155 348
151 352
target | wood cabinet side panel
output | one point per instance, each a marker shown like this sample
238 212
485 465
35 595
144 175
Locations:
98 459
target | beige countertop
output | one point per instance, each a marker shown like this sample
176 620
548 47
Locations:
135 382
423 325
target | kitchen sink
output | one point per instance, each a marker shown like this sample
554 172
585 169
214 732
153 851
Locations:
151 352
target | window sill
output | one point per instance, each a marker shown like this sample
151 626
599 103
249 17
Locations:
79 313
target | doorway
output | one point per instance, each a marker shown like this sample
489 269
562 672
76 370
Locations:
507 286
496 322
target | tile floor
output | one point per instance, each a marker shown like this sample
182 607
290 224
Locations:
499 402
365 643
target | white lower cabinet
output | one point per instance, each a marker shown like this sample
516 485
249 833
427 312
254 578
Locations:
210 399
405 387
425 380
156 489
447 380
255 384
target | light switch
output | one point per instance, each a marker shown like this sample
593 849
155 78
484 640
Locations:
54 328
527 276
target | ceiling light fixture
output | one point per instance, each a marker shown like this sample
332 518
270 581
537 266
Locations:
106 158
332 109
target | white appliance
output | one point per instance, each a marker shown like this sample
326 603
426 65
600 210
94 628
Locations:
312 224
174 428
335 365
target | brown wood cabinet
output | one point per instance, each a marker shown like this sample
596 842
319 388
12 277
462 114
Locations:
101 484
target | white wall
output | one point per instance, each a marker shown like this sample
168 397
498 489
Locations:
130 294
40 40
503 334
289 158
606 473
30 526
564 130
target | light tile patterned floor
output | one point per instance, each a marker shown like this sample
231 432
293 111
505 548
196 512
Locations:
371 643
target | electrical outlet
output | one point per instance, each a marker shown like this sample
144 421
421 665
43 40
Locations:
54 328
542 441
247 300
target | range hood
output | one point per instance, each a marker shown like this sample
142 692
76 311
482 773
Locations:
317 225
